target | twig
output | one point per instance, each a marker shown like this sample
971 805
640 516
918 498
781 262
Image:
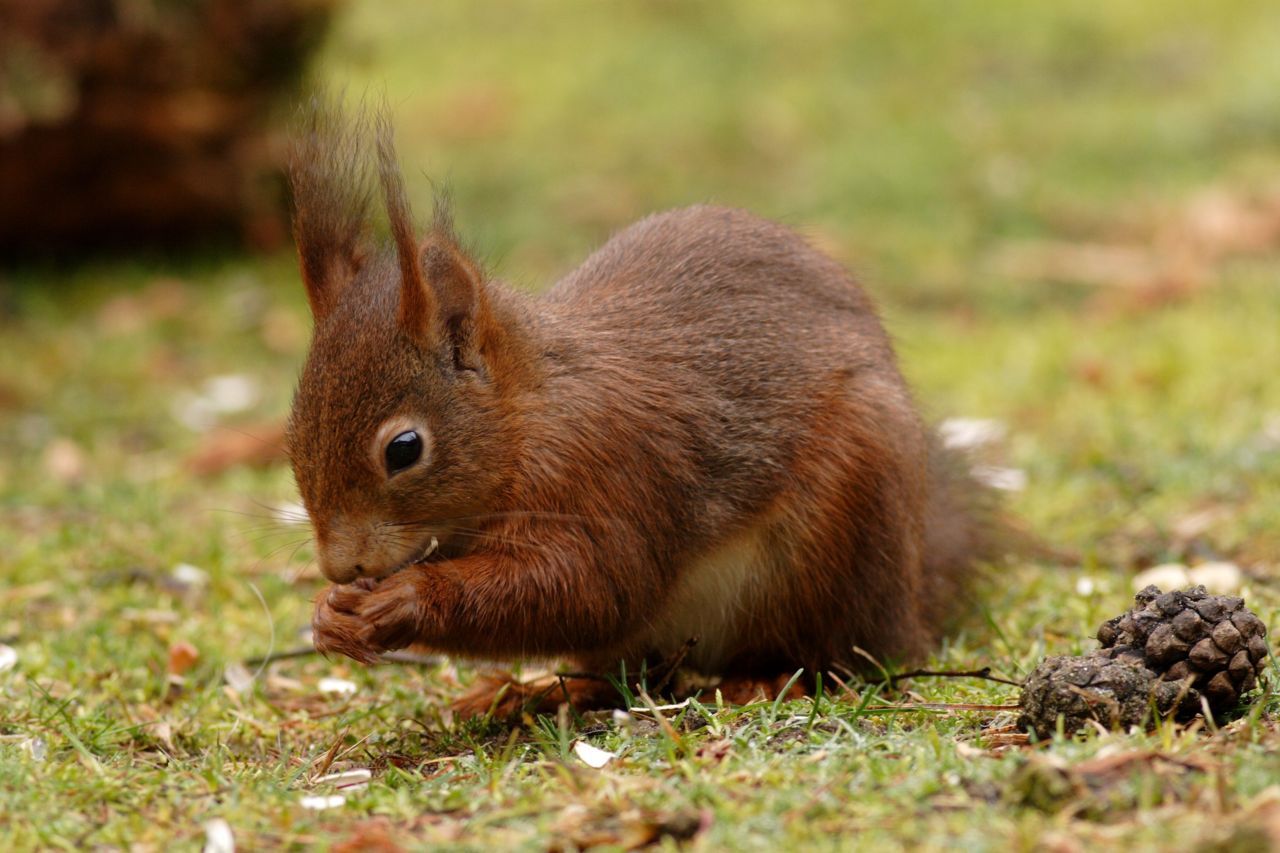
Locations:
673 663
848 691
942 706
667 668
399 656
326 760
984 673
584 676
299 652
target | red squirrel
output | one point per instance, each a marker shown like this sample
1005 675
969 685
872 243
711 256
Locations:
699 435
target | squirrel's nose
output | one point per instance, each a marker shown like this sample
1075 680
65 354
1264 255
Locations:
340 572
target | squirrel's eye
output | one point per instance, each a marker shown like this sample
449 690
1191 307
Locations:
403 451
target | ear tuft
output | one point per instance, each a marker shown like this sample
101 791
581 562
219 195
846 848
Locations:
418 306
329 180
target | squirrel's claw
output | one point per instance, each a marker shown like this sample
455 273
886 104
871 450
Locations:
392 616
336 625
362 621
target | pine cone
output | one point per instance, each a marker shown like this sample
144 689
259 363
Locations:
1109 686
1212 640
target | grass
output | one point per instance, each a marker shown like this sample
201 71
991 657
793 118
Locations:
921 144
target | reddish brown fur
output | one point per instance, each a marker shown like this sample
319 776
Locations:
702 430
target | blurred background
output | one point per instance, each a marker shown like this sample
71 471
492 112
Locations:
1070 214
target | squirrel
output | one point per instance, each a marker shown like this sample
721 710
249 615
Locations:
697 443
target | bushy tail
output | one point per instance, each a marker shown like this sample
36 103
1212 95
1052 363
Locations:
966 533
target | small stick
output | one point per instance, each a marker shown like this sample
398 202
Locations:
326 760
299 652
398 656
673 664
984 673
585 676
941 706
848 691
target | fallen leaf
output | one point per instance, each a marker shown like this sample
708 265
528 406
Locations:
347 780
238 677
220 395
592 756
964 750
277 683
652 709
1221 221
1112 765
1155 257
322 802
630 829
371 836
163 299
1051 784
1167 576
1095 263
36 748
162 730
188 576
218 837
1001 741
232 392
28 592
715 750
340 686
150 617
1220 578
1199 523
182 656
64 461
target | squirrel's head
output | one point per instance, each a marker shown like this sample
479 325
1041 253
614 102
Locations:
397 433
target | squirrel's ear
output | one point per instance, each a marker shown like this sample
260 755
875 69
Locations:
451 291
443 300
417 305
326 270
327 175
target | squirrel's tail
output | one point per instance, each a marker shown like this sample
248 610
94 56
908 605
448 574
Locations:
966 534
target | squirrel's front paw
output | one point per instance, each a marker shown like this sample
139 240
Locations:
337 626
401 610
365 619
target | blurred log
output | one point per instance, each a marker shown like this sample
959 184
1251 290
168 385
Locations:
127 123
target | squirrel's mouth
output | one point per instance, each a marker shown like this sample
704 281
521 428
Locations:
432 546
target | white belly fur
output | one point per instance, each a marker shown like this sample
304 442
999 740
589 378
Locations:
711 600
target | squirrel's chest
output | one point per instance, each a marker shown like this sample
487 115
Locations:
715 598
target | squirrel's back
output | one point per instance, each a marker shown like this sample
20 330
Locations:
763 403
